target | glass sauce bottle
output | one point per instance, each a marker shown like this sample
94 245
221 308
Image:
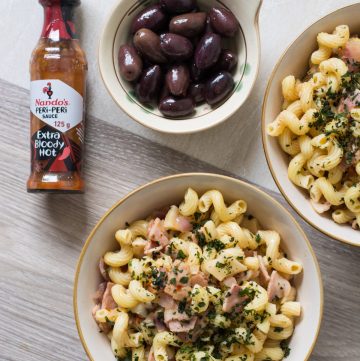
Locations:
58 69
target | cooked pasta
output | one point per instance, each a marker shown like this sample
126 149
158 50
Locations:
204 282
319 127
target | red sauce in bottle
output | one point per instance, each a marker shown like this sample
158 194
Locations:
58 69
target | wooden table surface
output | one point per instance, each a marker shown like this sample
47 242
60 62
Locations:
235 145
41 237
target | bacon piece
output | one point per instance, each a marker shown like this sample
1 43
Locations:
156 231
356 159
249 253
152 247
157 235
343 166
173 314
108 302
178 292
175 221
104 327
350 167
177 326
183 224
192 336
199 279
247 275
178 286
95 309
188 337
103 299
171 352
264 276
154 319
160 326
350 102
351 54
177 321
166 301
233 301
194 238
278 286
229 281
102 268
158 322
98 296
184 337
355 224
138 246
151 356
136 320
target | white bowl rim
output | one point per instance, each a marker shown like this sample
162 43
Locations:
265 136
189 175
221 119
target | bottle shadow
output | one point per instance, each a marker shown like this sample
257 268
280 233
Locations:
69 215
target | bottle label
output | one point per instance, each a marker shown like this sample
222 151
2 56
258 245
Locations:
56 144
56 104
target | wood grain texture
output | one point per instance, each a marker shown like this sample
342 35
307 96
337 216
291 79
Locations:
41 237
234 145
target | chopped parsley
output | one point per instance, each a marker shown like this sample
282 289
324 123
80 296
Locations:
285 347
111 323
247 339
211 314
201 238
181 255
182 306
159 278
197 216
127 357
219 332
220 265
334 116
184 280
215 244
247 292
278 329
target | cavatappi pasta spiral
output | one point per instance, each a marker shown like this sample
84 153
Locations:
202 282
319 127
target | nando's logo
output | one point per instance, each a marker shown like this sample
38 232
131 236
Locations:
48 90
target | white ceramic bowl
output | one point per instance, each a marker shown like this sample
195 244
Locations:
116 33
170 190
295 61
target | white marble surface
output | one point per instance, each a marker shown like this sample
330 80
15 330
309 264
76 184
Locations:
235 145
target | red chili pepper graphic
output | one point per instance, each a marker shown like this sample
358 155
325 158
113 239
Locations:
65 154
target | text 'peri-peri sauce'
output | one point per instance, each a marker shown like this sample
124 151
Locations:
58 70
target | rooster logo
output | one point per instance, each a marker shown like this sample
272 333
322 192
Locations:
48 90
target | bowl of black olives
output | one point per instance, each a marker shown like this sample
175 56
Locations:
180 66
